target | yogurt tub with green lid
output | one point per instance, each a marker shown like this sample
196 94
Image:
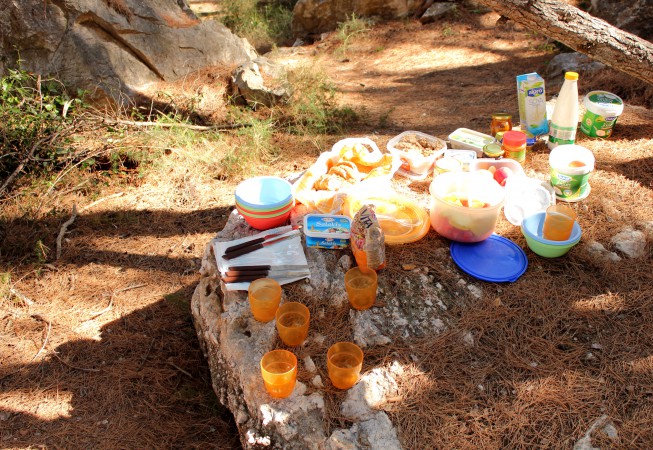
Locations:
602 109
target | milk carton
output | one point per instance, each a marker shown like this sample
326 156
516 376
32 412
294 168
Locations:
532 104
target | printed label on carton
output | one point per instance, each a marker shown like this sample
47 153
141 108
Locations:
531 97
319 223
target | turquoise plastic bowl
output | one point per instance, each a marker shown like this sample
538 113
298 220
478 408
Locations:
531 228
264 193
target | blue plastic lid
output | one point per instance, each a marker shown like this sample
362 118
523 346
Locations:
495 259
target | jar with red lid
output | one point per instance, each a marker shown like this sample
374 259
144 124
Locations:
514 146
500 122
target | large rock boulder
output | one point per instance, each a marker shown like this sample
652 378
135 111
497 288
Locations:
318 16
408 307
113 48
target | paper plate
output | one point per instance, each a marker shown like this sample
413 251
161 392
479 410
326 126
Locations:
495 259
401 219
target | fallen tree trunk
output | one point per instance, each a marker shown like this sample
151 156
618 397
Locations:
582 32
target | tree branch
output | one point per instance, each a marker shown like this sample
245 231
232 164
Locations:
582 32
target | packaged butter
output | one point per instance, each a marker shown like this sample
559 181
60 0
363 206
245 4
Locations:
327 231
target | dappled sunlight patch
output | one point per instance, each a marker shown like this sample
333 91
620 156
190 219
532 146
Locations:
46 405
609 302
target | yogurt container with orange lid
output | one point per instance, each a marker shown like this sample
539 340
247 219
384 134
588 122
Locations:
571 166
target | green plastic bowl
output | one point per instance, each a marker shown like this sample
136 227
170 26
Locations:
531 228
548 250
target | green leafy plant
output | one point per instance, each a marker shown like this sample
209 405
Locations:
350 28
253 145
264 24
313 108
37 120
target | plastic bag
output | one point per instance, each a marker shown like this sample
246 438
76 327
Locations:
359 166
367 239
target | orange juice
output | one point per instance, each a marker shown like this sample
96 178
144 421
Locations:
344 362
279 372
558 223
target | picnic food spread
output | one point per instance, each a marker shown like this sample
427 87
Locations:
349 204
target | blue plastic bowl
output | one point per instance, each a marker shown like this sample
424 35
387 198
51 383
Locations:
264 193
531 228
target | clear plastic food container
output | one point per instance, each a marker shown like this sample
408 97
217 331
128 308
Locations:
465 205
417 151
466 139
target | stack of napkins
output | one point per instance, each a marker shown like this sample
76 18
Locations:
281 257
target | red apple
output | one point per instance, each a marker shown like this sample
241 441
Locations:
502 174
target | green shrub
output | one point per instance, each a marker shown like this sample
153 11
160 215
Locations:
313 108
349 29
264 24
37 119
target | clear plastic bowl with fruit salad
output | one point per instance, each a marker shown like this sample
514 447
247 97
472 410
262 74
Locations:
465 206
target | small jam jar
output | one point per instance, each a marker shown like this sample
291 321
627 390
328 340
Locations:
514 146
493 151
500 122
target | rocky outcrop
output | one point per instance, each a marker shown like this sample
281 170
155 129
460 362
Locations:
234 343
114 47
312 17
260 82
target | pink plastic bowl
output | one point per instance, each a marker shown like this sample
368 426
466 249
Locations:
244 212
260 212
267 223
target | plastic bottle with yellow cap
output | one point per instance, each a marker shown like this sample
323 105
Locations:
564 120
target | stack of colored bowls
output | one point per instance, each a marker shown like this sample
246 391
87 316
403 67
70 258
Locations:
264 202
531 228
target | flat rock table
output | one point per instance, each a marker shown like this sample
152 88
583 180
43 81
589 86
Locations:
234 342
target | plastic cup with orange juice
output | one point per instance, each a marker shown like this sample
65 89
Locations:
344 363
279 372
361 284
292 323
558 222
264 298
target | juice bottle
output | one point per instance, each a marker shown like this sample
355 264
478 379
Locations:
564 120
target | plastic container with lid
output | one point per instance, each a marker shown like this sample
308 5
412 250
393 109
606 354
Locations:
514 145
526 196
465 206
602 109
448 164
401 219
571 166
417 152
466 139
464 156
486 163
327 231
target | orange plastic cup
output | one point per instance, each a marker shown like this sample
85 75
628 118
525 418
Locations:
279 371
292 323
344 362
360 284
264 298
558 222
